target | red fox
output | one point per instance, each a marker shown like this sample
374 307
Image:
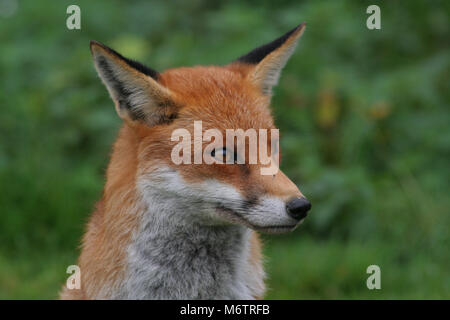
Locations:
186 231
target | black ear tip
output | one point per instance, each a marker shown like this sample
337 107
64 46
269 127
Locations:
298 29
301 26
258 54
93 44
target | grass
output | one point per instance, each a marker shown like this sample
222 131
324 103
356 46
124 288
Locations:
298 267
363 116
317 269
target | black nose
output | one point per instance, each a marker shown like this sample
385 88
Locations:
298 208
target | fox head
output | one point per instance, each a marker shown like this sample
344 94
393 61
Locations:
154 105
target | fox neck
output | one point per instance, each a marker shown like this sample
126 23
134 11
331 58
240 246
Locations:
171 259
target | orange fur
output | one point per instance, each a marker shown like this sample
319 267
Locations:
222 97
112 223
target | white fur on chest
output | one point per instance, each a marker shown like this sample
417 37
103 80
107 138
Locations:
172 257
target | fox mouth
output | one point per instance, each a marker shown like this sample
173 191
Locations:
239 218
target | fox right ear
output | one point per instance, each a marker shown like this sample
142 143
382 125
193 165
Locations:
133 87
268 60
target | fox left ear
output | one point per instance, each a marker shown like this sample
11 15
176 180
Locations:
134 88
269 59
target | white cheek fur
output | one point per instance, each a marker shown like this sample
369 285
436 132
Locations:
198 201
173 256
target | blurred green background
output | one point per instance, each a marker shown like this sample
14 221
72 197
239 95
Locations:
364 118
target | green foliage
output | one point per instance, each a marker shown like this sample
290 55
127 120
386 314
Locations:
363 116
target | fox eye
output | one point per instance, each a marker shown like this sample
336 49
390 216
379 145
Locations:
223 155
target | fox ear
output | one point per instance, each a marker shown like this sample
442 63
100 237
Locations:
133 87
269 59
